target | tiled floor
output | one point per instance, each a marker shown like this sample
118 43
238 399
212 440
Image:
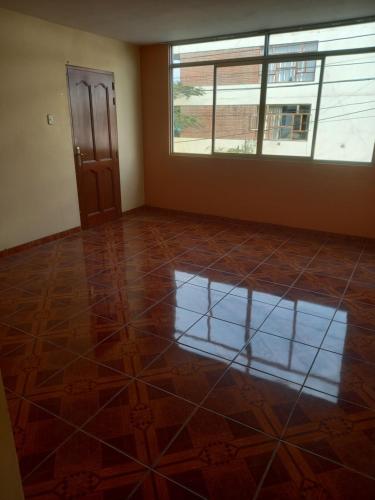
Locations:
168 356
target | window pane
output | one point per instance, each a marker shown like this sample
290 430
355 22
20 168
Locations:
290 107
237 105
353 36
223 49
192 109
346 127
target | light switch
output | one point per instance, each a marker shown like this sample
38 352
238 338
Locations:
50 119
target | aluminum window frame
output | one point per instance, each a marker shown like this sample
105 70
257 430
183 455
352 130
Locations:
264 60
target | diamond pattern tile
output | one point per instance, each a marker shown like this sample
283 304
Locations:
179 356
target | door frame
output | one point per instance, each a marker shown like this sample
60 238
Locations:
84 225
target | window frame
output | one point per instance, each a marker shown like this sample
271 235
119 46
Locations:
264 60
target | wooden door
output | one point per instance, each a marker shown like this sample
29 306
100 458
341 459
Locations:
93 112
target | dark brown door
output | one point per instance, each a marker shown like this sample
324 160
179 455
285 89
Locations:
93 111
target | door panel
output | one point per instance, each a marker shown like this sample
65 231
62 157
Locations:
93 111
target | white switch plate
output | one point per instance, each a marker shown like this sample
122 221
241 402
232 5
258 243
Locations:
50 119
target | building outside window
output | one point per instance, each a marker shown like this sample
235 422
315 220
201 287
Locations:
316 101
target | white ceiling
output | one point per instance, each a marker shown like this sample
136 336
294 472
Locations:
152 21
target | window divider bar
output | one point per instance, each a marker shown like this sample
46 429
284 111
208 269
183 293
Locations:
262 108
214 111
274 31
317 110
304 56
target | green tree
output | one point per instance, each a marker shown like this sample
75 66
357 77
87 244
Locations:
181 120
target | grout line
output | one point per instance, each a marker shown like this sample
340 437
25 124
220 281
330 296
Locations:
303 385
161 300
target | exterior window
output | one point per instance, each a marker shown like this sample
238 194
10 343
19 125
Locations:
305 94
293 71
287 122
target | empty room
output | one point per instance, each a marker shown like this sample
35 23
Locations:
187 250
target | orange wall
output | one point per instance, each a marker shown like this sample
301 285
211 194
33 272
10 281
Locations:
326 197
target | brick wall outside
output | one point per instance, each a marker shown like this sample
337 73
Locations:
226 75
231 122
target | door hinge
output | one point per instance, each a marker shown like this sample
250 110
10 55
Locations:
114 101
113 85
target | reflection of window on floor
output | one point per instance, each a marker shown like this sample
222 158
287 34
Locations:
209 336
257 356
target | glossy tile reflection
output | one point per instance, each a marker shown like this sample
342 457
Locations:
168 355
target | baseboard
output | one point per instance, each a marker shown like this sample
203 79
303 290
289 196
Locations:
55 236
39 241
135 210
246 221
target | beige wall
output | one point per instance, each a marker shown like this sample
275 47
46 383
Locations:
38 193
334 198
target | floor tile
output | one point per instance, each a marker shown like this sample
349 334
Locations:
13 300
321 283
156 487
152 286
263 291
213 279
295 325
332 267
185 372
239 310
214 457
19 275
351 340
254 398
128 350
278 356
296 474
166 320
365 273
31 363
84 468
344 377
76 392
254 249
334 429
306 248
235 265
280 258
82 332
200 257
10 337
362 292
217 337
140 421
283 275
310 303
179 271
122 306
356 313
191 304
40 316
36 433
195 298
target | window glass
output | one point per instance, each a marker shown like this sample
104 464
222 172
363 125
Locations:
346 126
353 36
192 109
237 107
290 110
222 49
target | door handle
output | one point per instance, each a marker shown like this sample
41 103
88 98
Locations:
78 156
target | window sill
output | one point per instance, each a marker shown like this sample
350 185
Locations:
273 158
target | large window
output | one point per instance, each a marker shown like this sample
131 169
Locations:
308 93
